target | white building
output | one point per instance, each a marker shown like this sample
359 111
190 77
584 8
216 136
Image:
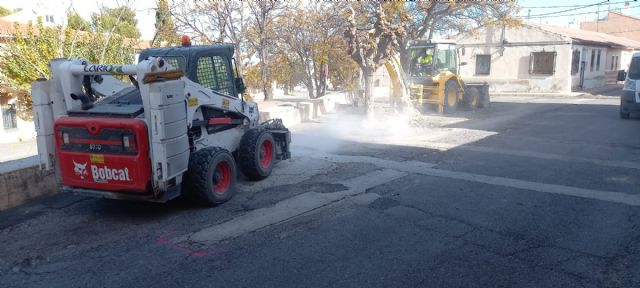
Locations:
12 127
541 58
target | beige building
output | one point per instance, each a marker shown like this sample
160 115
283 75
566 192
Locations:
541 58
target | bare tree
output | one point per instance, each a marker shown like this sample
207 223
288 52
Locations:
260 31
212 21
373 36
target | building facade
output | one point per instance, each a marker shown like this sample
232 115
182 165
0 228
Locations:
539 58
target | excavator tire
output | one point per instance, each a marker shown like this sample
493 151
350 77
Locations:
257 154
450 95
472 97
211 178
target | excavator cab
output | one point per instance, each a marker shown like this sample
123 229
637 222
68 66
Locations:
428 59
433 77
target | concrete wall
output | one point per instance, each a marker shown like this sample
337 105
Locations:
510 62
26 131
20 186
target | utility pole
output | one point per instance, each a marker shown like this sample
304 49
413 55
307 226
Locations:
598 17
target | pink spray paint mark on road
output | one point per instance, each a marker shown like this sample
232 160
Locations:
164 240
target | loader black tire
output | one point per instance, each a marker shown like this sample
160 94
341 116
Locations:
257 154
212 175
484 100
472 97
451 96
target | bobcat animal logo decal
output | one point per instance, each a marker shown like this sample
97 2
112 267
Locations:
80 169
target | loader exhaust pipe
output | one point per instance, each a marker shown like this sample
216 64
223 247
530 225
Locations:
86 101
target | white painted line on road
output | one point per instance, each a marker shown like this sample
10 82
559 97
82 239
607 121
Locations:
609 196
370 160
291 207
549 156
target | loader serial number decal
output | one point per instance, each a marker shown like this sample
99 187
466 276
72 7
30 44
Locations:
95 147
193 102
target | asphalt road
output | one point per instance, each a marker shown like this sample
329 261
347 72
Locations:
530 192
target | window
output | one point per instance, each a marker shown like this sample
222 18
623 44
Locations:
575 62
176 62
9 119
593 59
212 72
598 61
613 58
614 63
634 68
421 61
542 63
483 64
446 59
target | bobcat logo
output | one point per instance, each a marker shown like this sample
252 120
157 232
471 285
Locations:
80 169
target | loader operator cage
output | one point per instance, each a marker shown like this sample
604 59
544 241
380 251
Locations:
436 57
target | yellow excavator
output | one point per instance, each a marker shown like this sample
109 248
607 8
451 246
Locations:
432 78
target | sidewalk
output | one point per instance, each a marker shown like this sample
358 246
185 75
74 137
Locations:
607 90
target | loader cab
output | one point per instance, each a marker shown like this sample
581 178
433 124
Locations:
427 58
211 66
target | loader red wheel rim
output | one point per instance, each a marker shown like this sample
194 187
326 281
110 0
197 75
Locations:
266 153
222 177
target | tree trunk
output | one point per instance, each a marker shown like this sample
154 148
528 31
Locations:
286 89
368 92
315 79
264 76
308 80
322 81
309 86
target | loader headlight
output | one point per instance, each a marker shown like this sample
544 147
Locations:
629 85
65 138
125 142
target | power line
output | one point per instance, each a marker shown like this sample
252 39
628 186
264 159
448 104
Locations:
566 6
567 10
573 14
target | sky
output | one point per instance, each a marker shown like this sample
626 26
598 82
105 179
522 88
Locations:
145 13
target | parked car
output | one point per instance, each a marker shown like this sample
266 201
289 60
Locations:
630 99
